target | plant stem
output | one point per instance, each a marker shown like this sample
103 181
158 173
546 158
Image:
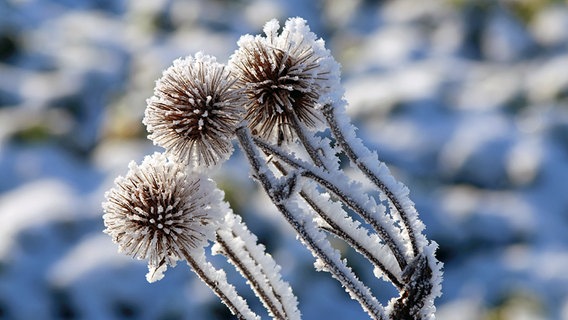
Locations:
351 200
276 311
310 149
346 231
341 233
332 262
337 132
246 245
225 291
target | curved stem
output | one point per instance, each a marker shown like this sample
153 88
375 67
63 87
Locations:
301 133
339 232
266 297
330 116
226 292
346 231
351 200
306 231
245 245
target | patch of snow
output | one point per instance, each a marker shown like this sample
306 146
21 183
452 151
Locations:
33 204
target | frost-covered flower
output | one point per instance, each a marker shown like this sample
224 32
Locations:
285 75
194 111
160 212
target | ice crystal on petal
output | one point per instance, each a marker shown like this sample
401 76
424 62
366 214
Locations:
194 111
285 75
160 211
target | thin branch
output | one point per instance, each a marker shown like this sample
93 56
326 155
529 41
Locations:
281 290
306 231
301 133
346 232
339 232
351 200
417 290
224 291
355 158
265 297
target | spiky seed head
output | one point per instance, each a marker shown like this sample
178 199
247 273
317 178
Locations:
285 75
194 111
160 211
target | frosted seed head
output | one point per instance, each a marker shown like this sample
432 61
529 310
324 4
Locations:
284 75
194 111
172 212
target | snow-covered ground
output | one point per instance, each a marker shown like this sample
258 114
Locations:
466 101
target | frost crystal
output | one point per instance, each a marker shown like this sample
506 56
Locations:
287 77
194 111
160 212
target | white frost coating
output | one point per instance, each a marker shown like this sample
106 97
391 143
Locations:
297 32
326 154
351 192
211 276
264 270
429 309
372 243
287 71
315 240
378 170
156 273
308 232
159 210
194 111
398 196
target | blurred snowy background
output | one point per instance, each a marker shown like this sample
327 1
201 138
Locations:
467 102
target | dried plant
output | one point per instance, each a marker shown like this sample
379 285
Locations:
285 76
194 111
277 96
160 213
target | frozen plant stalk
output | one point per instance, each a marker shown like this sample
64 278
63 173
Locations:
278 95
294 93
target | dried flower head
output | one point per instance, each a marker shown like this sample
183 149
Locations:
285 75
194 111
159 211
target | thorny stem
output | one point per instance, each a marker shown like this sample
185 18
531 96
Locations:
224 296
329 114
344 275
255 285
322 178
336 230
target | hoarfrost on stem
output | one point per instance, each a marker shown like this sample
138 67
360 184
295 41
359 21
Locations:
278 95
240 246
